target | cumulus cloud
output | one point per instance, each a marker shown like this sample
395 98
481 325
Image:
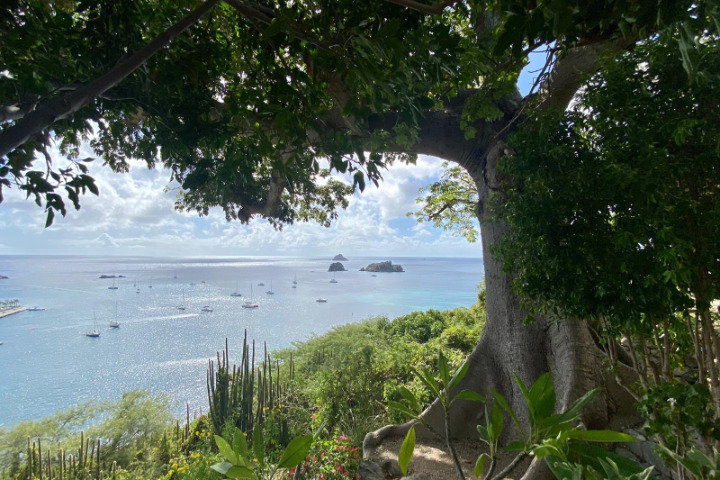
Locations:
135 214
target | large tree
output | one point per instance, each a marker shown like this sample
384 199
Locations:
243 106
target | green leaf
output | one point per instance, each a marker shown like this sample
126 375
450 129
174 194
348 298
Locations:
526 394
459 375
241 471
605 436
469 395
50 217
410 398
495 422
503 403
240 444
406 450
542 396
259 445
484 434
222 467
359 180
403 409
429 381
444 369
295 452
543 451
226 450
572 412
480 464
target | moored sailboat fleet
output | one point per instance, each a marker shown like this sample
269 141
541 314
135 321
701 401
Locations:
249 303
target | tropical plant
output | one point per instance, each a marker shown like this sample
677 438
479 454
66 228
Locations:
241 462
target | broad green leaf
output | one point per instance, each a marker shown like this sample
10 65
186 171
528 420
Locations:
605 436
222 467
295 452
469 395
240 444
496 422
459 375
484 434
503 403
241 471
480 464
543 451
406 450
259 445
700 458
226 450
542 396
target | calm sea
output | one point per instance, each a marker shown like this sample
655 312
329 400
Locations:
46 364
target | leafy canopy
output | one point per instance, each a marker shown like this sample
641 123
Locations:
244 107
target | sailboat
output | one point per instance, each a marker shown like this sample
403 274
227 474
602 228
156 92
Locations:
113 286
333 279
181 307
236 293
270 292
114 323
250 303
94 333
295 280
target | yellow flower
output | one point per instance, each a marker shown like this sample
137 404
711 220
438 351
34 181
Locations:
174 465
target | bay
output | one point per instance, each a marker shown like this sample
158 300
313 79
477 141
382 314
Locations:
47 364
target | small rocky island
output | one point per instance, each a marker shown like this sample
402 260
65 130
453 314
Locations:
111 276
336 267
339 258
3 277
383 267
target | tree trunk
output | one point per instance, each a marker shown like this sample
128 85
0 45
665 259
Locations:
509 347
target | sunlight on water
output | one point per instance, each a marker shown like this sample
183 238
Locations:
48 364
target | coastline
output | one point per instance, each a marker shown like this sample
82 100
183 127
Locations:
11 311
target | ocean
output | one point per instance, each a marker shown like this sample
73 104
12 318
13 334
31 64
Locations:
47 364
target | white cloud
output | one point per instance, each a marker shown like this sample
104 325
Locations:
134 214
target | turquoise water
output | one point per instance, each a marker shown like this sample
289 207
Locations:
46 364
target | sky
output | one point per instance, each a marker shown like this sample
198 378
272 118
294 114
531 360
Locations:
134 215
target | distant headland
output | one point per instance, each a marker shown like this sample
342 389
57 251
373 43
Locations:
383 267
111 276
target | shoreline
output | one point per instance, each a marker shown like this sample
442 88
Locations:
11 311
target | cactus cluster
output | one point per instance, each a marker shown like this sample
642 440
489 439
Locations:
243 396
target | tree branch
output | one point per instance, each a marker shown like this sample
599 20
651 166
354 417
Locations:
68 104
572 69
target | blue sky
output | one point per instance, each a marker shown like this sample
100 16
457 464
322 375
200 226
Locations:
134 215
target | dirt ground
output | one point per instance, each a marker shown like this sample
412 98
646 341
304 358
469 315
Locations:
431 457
